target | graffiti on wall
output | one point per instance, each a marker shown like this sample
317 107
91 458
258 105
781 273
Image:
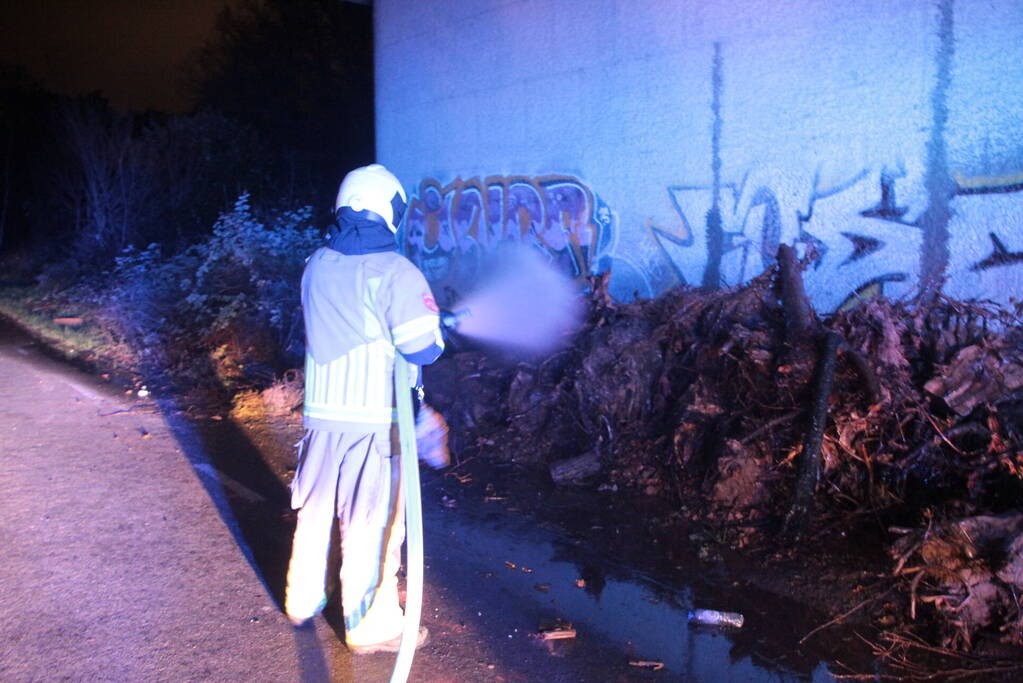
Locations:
1001 255
860 240
452 229
748 223
933 217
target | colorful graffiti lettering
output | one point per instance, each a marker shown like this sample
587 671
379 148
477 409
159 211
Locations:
452 228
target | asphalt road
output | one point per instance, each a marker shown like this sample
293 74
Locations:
117 565
138 545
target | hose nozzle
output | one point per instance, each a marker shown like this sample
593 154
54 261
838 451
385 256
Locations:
451 319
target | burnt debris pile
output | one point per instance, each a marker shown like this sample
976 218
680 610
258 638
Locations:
745 409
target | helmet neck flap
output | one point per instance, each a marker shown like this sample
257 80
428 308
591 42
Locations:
360 232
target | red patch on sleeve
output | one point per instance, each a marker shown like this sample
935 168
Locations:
430 303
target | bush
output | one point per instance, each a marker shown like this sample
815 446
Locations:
229 299
226 308
251 269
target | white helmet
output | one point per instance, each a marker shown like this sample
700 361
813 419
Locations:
373 192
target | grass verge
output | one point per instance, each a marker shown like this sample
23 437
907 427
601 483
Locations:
73 340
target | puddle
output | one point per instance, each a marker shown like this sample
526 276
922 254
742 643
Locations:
641 617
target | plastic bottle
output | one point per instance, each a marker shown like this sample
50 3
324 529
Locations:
712 617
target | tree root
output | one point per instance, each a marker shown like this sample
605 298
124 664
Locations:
871 385
799 315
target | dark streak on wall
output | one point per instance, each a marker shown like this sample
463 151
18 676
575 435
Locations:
715 231
770 228
934 253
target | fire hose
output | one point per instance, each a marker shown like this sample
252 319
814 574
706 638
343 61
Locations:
413 520
403 384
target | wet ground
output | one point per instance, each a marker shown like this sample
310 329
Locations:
506 557
557 579
499 573
499 569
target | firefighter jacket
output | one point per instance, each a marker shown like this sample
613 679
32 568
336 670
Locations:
360 310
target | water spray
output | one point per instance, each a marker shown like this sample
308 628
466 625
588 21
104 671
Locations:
523 304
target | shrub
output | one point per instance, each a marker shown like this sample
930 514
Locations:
227 300
249 269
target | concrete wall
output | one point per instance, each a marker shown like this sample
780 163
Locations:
678 141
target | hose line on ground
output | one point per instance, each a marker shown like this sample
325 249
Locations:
413 521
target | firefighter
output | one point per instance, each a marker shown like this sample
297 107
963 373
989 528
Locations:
362 302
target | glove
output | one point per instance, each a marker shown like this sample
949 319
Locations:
432 438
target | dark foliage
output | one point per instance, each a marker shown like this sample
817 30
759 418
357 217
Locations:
299 72
23 110
284 109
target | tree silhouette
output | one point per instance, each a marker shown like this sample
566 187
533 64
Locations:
299 72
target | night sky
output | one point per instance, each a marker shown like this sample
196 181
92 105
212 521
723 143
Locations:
131 50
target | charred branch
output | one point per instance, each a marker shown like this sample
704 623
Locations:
810 467
575 470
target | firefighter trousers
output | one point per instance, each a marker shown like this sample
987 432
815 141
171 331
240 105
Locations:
355 478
